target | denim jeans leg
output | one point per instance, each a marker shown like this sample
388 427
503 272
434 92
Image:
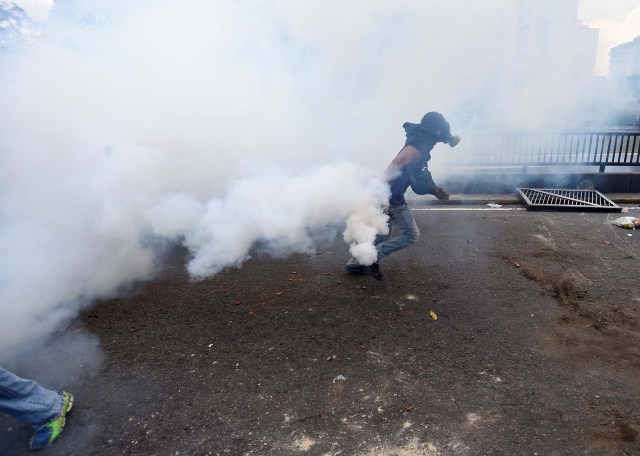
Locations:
402 219
27 401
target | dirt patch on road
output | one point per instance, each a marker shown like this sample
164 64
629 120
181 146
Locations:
606 329
616 318
596 334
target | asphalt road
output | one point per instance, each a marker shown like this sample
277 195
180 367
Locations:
535 350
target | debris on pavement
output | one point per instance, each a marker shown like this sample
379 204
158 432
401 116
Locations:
331 357
434 315
585 185
627 222
340 378
494 205
606 242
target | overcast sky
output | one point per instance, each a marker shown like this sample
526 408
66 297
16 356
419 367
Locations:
618 21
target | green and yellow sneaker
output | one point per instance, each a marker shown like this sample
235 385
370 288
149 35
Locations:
45 435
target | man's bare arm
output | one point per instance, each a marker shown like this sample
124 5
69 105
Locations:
406 156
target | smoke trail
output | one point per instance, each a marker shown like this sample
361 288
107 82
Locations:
261 207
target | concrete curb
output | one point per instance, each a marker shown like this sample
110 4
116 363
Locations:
468 199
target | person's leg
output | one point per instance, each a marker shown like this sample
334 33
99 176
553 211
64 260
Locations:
27 401
402 219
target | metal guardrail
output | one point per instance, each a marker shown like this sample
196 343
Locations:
577 148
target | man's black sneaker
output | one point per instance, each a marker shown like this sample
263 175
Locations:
373 270
356 269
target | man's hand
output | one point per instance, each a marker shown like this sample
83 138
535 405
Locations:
442 194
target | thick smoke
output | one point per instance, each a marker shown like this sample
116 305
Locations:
218 124
38 10
277 207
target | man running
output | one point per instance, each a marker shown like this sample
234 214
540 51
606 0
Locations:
409 167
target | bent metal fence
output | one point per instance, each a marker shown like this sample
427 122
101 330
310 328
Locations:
579 148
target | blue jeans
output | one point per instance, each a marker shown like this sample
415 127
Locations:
27 401
400 218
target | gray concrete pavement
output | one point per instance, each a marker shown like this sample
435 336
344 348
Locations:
534 351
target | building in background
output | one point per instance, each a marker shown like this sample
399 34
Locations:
624 60
549 44
548 63
624 76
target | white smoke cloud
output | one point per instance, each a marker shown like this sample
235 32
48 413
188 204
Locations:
214 123
362 229
187 125
38 10
275 207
